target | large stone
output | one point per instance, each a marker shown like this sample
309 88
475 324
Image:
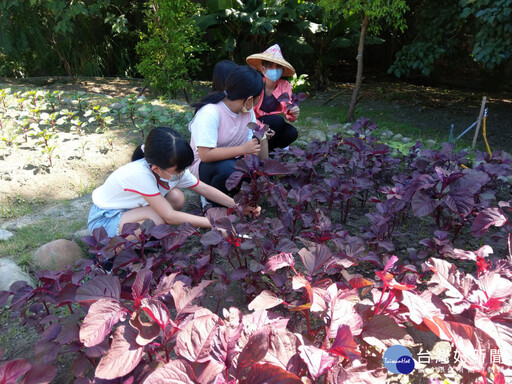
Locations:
58 254
5 234
10 272
315 134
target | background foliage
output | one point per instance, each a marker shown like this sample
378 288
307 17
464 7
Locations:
466 38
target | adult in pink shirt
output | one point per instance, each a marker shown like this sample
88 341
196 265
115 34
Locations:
269 110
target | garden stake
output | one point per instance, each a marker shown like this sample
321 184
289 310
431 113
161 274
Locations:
484 133
482 108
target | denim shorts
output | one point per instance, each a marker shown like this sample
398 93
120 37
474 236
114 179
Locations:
106 218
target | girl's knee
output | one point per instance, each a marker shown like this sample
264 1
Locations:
176 198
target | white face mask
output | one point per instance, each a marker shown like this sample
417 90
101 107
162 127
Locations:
245 110
172 178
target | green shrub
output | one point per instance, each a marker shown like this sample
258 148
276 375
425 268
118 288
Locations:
168 50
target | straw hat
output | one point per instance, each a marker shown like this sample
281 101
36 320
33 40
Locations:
274 55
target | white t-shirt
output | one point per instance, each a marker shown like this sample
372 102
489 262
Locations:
205 125
126 187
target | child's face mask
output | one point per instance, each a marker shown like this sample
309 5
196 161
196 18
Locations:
245 110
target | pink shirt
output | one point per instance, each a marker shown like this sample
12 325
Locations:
282 86
215 125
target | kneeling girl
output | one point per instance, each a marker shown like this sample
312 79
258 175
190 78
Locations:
149 187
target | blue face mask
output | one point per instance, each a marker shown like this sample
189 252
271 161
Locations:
274 74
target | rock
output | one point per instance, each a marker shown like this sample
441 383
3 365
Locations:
300 144
5 234
315 134
441 351
406 140
81 233
430 143
313 120
386 134
397 137
347 126
116 106
10 272
58 254
335 127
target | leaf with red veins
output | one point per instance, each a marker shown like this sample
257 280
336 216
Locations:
342 312
317 360
100 287
344 344
174 372
194 340
122 357
157 311
141 285
279 261
255 349
383 332
486 218
500 329
420 306
265 300
270 374
495 286
184 296
100 320
11 371
282 351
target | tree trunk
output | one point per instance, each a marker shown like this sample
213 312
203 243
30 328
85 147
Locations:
359 75
67 67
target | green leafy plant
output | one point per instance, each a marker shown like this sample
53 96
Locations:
169 49
45 138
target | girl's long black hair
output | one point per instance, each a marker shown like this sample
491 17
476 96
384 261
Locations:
241 83
165 148
220 74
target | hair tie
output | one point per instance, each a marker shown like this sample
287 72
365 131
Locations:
142 148
225 93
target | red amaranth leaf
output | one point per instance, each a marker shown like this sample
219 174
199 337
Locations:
279 261
383 332
486 218
174 372
317 360
40 374
283 351
314 258
184 296
141 285
100 320
11 371
265 300
344 344
122 357
255 349
270 374
157 311
194 341
100 287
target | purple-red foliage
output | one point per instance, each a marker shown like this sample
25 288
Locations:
137 311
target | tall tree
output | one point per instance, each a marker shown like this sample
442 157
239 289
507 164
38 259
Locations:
373 14
466 34
75 37
169 49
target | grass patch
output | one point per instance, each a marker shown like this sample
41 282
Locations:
18 206
28 238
